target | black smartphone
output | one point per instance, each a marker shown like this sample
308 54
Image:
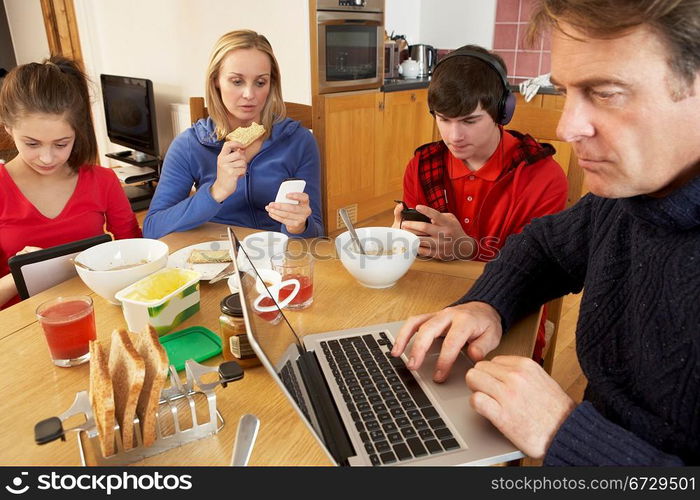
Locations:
412 214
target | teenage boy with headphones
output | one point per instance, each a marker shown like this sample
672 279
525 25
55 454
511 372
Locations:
481 183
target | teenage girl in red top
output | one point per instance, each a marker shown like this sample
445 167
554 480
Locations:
50 194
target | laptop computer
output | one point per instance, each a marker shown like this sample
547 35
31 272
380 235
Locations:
364 406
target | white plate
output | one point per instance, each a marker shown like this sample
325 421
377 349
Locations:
208 271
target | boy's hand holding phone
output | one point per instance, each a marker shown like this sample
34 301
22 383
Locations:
441 238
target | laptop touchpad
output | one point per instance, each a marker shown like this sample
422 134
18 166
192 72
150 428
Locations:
454 386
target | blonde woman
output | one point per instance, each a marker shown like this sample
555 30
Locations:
234 184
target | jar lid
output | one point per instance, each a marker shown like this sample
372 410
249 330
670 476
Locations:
231 305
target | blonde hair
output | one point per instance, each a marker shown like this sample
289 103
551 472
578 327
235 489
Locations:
274 109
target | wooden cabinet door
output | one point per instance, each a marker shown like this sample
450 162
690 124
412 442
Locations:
407 124
351 122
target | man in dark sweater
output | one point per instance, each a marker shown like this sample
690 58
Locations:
630 70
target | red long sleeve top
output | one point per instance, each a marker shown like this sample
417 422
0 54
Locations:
97 204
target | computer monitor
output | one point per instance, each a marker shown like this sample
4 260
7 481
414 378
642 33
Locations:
130 112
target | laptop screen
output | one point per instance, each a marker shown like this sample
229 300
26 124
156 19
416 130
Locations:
260 290
263 295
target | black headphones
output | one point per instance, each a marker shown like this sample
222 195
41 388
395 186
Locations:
506 105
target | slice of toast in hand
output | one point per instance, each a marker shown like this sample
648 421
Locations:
247 135
102 397
127 369
156 363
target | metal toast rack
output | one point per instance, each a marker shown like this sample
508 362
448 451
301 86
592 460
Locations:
186 412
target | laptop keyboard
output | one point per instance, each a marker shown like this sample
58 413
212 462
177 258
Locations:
393 415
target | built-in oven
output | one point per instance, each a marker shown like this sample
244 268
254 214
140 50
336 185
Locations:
350 36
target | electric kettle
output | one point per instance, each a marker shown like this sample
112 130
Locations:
426 55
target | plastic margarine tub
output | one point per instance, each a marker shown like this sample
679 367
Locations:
163 299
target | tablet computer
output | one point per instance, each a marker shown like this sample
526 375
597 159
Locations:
34 272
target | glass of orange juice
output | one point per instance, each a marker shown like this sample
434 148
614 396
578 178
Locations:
69 326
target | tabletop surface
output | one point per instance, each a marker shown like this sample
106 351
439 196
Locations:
34 389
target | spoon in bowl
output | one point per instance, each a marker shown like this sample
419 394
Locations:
117 268
80 264
348 223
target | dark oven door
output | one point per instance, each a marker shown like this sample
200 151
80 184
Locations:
350 51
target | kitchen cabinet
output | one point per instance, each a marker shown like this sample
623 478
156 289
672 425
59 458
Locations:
366 139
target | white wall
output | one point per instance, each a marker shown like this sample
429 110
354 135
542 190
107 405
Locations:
169 41
449 24
403 17
444 24
27 30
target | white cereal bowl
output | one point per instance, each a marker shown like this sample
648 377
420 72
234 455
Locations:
379 268
106 259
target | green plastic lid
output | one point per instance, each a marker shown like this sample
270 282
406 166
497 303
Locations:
196 342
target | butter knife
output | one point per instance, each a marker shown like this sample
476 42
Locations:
224 273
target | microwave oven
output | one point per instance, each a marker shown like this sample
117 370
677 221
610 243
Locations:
391 59
350 39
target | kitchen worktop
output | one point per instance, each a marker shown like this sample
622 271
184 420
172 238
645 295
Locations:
396 84
542 90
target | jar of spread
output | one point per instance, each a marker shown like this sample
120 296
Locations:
234 341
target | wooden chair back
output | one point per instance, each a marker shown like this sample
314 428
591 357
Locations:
540 118
295 111
197 109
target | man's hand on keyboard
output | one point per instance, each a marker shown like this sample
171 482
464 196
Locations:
475 323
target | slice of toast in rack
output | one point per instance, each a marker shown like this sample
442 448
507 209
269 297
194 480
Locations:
127 369
156 363
102 397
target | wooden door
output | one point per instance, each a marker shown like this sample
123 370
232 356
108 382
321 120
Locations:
62 29
407 124
350 122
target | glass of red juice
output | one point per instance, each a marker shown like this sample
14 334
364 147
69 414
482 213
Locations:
69 326
296 265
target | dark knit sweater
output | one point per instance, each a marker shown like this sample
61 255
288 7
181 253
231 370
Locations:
638 333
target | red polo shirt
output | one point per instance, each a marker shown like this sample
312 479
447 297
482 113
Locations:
492 203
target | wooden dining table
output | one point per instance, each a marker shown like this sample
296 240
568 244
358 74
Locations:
34 389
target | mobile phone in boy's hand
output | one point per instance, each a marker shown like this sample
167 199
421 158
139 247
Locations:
412 214
291 185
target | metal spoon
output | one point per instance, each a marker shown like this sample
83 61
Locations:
80 264
348 223
118 268
247 431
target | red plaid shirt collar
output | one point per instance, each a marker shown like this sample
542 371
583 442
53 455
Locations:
433 169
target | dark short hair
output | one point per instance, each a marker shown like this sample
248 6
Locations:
676 21
56 87
460 84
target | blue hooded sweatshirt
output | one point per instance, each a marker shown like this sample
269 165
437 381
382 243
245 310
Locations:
290 151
